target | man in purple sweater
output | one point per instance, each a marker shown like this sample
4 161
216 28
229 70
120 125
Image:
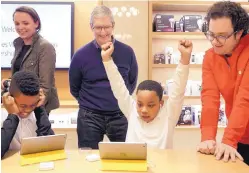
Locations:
99 113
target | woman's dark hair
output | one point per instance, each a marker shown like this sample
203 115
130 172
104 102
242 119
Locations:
232 10
34 15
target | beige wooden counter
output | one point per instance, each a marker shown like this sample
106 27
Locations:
159 161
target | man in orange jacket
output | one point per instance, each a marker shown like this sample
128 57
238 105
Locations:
225 72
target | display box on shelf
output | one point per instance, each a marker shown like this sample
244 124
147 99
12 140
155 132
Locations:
163 23
169 56
159 58
169 87
188 23
187 116
178 26
191 115
176 56
193 88
192 23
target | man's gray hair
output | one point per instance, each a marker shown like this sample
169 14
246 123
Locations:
101 11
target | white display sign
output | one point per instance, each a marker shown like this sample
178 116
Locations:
56 27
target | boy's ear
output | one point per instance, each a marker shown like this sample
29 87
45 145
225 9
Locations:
161 103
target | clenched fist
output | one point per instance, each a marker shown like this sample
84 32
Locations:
185 47
107 50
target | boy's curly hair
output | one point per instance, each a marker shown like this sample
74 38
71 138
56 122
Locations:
24 82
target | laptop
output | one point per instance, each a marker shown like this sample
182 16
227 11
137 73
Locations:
123 150
43 143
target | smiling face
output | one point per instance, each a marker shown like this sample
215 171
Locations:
102 29
25 25
222 36
148 105
26 104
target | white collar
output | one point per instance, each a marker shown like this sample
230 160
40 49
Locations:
31 117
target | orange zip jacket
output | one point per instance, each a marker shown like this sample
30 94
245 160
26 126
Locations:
230 78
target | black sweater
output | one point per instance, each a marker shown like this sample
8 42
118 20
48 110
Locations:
11 123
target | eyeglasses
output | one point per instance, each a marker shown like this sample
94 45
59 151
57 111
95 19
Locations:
220 38
105 28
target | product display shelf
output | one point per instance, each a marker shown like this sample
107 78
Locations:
178 35
174 65
158 39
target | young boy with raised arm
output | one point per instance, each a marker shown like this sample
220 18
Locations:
150 120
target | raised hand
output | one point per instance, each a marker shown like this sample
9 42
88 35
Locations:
107 50
185 47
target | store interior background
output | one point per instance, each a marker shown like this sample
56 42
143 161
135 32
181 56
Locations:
134 31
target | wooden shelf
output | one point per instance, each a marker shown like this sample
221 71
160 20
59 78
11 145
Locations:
174 65
179 35
190 97
65 110
187 127
188 6
195 127
181 6
185 97
69 104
